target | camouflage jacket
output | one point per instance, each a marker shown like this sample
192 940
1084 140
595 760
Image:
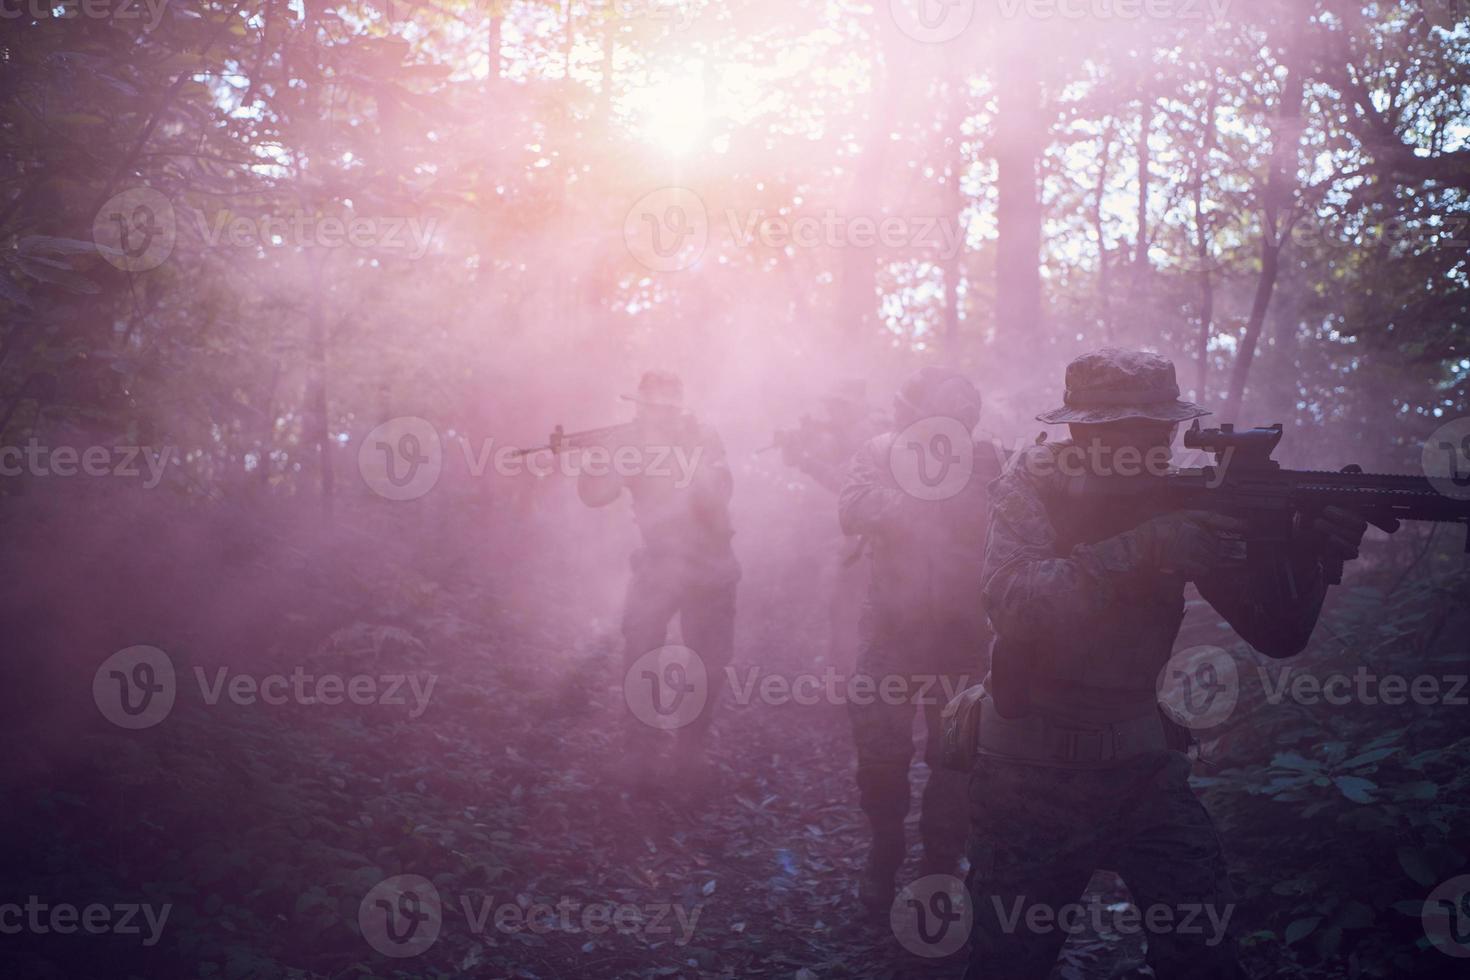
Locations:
681 498
1082 629
926 553
826 455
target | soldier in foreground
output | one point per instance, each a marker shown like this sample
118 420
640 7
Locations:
921 623
822 448
1077 769
686 566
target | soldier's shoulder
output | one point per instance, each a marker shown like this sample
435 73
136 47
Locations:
1035 465
705 433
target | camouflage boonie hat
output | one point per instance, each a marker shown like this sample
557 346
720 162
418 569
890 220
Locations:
661 389
1113 384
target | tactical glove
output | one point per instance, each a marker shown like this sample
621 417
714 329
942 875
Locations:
1338 533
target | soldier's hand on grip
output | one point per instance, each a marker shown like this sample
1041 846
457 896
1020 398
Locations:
1190 543
1339 533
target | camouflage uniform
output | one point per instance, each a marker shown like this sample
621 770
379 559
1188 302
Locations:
825 458
686 565
1084 624
921 622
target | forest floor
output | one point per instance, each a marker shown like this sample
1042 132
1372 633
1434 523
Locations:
264 828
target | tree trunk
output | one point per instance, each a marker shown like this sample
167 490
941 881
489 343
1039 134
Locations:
493 44
318 426
1018 128
1104 273
856 308
954 211
1276 216
1140 248
1202 250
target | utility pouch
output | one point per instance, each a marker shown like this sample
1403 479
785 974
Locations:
1178 737
959 729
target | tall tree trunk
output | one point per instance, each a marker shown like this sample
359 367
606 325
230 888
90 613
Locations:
569 41
1104 271
1018 139
856 308
1202 249
954 210
609 51
1139 274
494 43
318 425
1276 206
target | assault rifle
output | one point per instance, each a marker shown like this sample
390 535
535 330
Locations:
561 441
806 434
1247 483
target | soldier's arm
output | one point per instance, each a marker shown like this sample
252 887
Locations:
869 502
1032 591
1274 610
710 474
599 491
829 475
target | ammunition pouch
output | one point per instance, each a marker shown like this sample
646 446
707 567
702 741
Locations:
1037 740
959 729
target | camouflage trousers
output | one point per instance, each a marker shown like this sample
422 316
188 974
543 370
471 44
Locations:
914 668
704 601
1038 833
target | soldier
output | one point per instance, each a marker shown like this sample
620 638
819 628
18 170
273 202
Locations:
921 621
822 449
1077 769
686 566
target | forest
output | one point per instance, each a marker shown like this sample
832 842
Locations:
305 303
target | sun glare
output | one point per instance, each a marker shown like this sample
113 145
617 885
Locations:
670 114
